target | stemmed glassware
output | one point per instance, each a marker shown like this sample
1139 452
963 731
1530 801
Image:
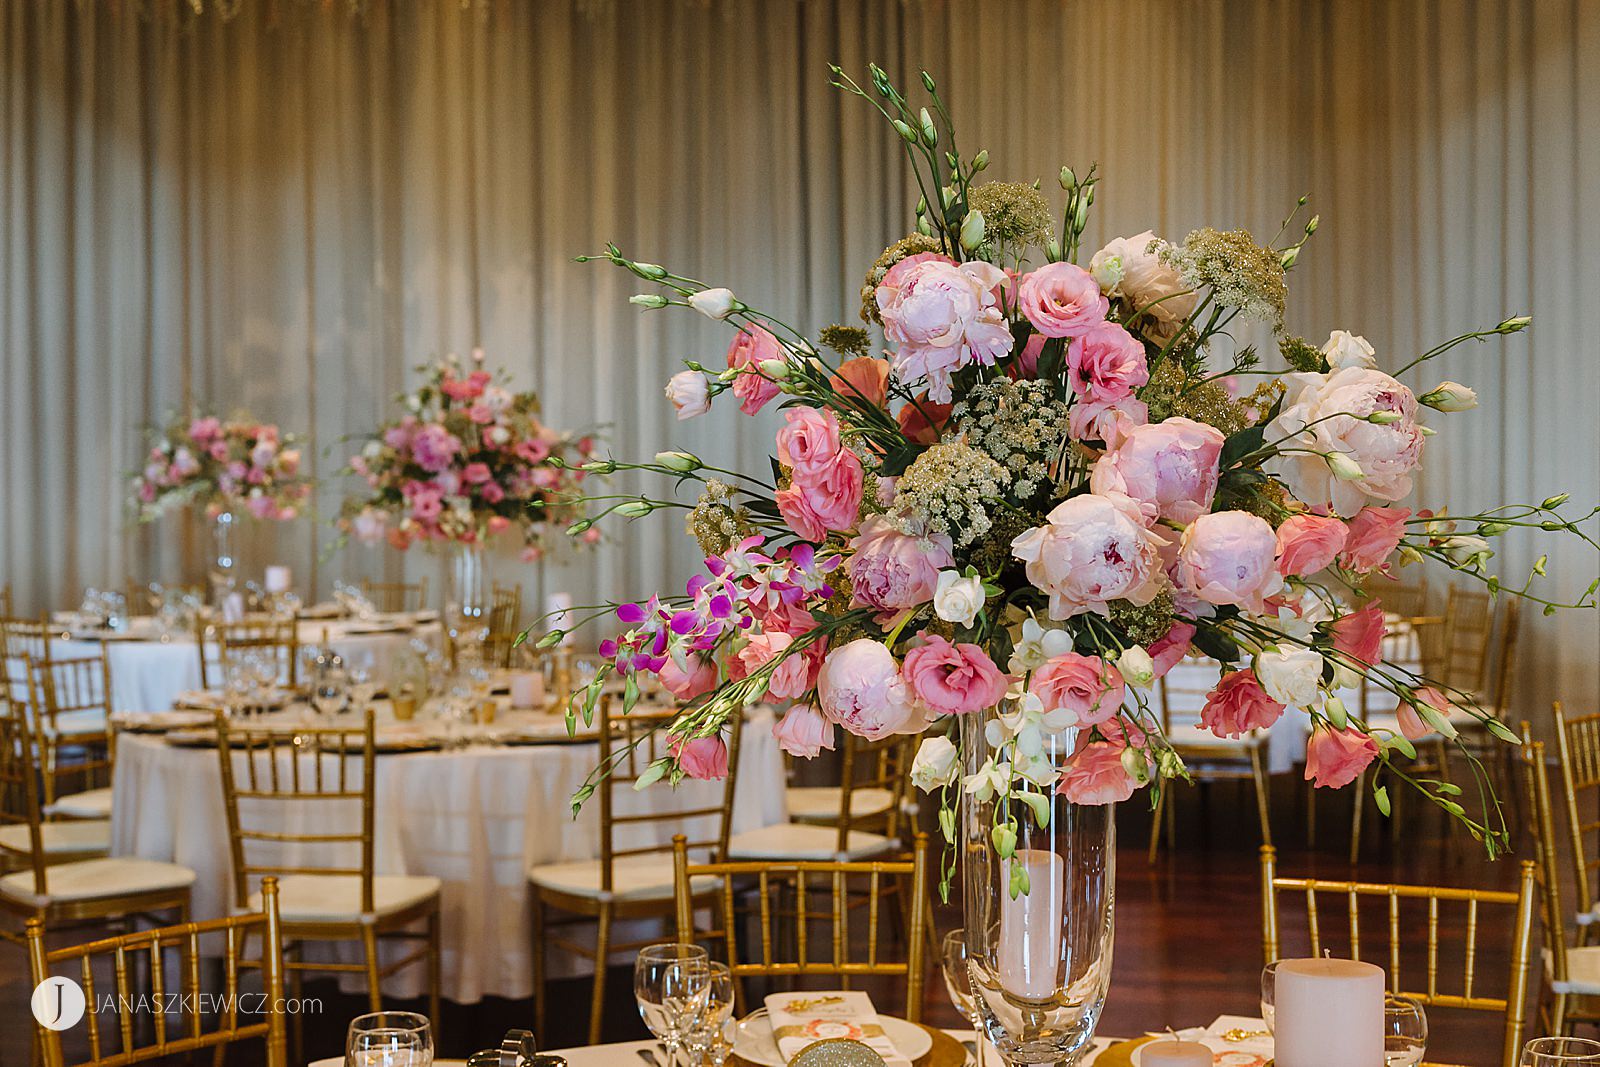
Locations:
953 957
389 1039
710 1038
362 677
1561 1052
1269 978
671 983
1405 1031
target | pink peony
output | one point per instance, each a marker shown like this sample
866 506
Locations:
1170 466
808 442
1087 686
1227 557
1106 363
803 732
1327 413
941 316
1061 300
860 688
704 758
1094 549
1172 647
699 680
752 346
1359 634
434 447
890 570
1335 758
1238 705
1094 774
953 679
1374 535
864 379
1308 543
831 500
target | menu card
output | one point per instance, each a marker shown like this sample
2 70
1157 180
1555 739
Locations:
800 1018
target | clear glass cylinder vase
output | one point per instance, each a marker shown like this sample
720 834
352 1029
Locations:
224 573
467 606
1039 923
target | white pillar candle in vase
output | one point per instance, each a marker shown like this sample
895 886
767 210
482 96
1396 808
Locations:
558 614
278 579
527 689
1328 1013
1030 928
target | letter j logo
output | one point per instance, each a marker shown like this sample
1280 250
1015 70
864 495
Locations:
58 1003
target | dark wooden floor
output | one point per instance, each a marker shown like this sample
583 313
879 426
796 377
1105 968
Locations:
1187 937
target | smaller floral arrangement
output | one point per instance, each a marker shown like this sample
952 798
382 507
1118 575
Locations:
240 465
468 460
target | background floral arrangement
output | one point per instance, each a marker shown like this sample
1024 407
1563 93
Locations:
1060 481
468 460
240 465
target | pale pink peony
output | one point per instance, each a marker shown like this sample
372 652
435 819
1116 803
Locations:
1061 300
953 679
1087 686
1135 273
699 680
829 500
808 443
1228 557
1238 705
860 689
1359 634
1094 774
1172 647
1327 413
703 758
890 570
803 732
1374 535
1170 466
1094 549
1106 363
941 316
752 346
864 379
1308 543
1335 758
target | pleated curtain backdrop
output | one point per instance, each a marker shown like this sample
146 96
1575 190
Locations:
288 211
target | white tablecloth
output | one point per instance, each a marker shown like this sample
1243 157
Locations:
475 817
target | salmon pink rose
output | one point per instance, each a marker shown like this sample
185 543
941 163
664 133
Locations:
942 316
1106 363
752 346
860 688
1228 557
1308 543
702 758
1327 413
890 570
808 442
1094 774
1374 534
830 500
923 421
1087 686
1172 647
1061 300
953 679
698 680
803 732
1170 466
1335 758
1093 549
1238 705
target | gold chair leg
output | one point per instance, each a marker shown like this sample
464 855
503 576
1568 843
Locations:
435 979
538 970
602 951
297 1036
369 947
1558 1016
1263 796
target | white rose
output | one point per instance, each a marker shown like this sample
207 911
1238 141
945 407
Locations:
1291 678
935 764
1136 666
714 303
499 434
1145 282
1450 396
958 599
1348 350
689 393
1107 270
1036 646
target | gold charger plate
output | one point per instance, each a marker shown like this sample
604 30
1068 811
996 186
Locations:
945 1052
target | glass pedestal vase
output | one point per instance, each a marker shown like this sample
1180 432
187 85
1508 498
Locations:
224 572
467 605
1038 922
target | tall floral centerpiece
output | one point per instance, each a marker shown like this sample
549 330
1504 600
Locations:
233 468
469 460
1059 476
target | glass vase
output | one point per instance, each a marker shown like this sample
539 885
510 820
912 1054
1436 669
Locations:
224 565
1039 923
467 606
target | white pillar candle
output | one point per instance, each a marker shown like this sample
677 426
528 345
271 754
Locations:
278 579
233 608
1174 1054
1030 928
527 689
558 612
1328 1013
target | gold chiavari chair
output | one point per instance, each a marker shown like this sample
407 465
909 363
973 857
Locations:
274 636
22 640
505 617
397 596
273 779
632 878
188 1031
1578 755
803 879
69 706
870 772
866 817
1405 907
1410 602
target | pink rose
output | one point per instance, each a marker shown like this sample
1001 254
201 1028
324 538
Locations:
1094 774
1106 363
1105 420
790 679
1335 758
863 380
808 442
1172 647
752 346
831 500
1238 705
803 732
953 679
1359 634
1227 557
1026 365
1061 300
1308 543
942 316
1412 725
860 688
890 570
1374 534
699 680
475 473
1087 686
704 758
1094 549
1328 413
1171 466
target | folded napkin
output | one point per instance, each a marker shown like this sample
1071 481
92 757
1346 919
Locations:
800 1018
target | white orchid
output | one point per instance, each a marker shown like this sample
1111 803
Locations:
1036 646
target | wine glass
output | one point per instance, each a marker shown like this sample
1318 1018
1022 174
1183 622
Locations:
389 1039
958 983
1561 1052
670 983
708 1038
1269 978
1405 1031
328 694
363 678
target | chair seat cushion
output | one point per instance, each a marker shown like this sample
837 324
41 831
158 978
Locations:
77 837
810 803
1583 971
801 841
336 898
69 724
647 877
93 879
89 804
1193 736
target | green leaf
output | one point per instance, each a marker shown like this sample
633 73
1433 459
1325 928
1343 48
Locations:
1219 646
896 461
1241 444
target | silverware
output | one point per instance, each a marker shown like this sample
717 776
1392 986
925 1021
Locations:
649 1057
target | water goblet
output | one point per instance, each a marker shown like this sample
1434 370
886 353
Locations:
1561 1052
1405 1031
389 1039
707 1039
953 958
1269 977
670 984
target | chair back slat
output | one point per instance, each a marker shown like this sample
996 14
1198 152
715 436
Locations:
270 635
20 775
1578 753
77 752
397 596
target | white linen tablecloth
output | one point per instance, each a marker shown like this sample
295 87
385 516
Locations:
475 817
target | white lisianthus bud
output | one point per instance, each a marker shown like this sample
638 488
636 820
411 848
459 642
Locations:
935 765
1289 258
648 300
690 393
1052 249
981 160
634 509
1467 552
972 231
372 449
1515 323
1068 179
776 369
1136 764
1337 713
1290 677
958 599
1450 396
1435 718
1344 467
683 462
1345 349
1136 666
1384 418
654 271
715 303
1107 270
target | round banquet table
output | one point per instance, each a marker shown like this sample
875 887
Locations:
476 817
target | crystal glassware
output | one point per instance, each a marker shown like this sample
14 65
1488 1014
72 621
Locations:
1269 987
1405 1031
954 960
1561 1052
708 1039
389 1039
670 983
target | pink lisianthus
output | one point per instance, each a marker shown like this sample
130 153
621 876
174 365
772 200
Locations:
1106 420
1308 543
689 392
752 346
1093 549
1374 534
1094 774
1228 557
1335 758
808 443
830 500
1359 634
491 493
864 379
1026 365
205 429
890 570
702 758
469 388
1172 647
1170 466
699 680
1327 413
860 689
942 316
1412 725
790 679
434 448
1061 300
953 679
803 732
1238 705
1087 686
1106 363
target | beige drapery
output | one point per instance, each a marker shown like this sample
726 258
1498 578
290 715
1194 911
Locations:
288 211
